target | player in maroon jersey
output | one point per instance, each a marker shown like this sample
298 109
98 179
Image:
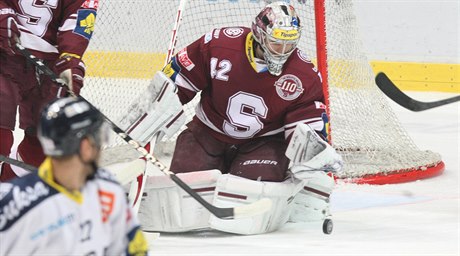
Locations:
259 119
256 86
58 32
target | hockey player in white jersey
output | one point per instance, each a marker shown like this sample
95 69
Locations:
69 206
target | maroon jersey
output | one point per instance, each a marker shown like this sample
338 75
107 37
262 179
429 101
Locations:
50 28
240 99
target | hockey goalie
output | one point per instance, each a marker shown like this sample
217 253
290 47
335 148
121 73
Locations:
256 132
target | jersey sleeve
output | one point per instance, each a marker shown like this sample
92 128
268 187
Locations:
128 238
309 109
189 69
77 26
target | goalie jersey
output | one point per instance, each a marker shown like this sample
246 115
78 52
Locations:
240 99
38 216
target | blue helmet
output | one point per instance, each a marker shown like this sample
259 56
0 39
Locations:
65 122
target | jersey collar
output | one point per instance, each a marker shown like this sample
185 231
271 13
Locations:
257 64
45 172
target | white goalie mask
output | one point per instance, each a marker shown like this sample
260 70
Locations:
277 30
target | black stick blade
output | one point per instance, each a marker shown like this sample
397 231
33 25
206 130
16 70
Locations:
393 92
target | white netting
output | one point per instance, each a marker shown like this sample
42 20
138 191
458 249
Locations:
131 40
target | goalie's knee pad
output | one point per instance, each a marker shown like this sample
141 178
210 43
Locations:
312 202
232 191
167 208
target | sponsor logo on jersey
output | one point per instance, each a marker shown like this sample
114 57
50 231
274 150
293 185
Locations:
233 32
289 87
182 55
320 105
107 200
20 200
303 56
85 23
93 4
53 226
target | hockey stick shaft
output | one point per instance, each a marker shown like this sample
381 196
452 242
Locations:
17 163
394 93
256 208
172 43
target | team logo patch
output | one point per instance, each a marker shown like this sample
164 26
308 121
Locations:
289 87
233 32
85 23
93 4
185 60
303 56
107 200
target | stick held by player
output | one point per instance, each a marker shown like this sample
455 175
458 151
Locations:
256 88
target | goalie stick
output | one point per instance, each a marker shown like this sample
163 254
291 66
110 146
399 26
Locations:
393 92
242 211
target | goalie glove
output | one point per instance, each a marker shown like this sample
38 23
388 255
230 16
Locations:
308 152
9 32
72 70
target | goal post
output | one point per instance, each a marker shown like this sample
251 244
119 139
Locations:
131 42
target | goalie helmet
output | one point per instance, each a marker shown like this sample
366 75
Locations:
277 29
65 122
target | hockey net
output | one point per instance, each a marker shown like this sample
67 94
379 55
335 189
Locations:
130 44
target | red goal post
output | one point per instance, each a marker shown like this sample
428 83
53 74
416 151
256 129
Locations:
131 41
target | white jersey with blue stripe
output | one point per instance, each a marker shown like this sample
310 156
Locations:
40 217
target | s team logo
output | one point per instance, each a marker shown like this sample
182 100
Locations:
185 60
233 32
289 87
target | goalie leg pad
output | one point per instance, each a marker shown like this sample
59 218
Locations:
312 202
168 208
232 191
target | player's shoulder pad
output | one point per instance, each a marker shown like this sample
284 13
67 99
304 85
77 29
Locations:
22 195
226 34
105 175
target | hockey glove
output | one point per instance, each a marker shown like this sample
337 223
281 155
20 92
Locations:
327 160
9 32
71 69
308 152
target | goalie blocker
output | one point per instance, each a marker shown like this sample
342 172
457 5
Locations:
304 196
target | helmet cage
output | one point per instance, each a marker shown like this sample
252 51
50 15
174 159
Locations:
277 29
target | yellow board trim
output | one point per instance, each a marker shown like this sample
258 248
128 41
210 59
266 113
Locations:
136 65
407 75
421 76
